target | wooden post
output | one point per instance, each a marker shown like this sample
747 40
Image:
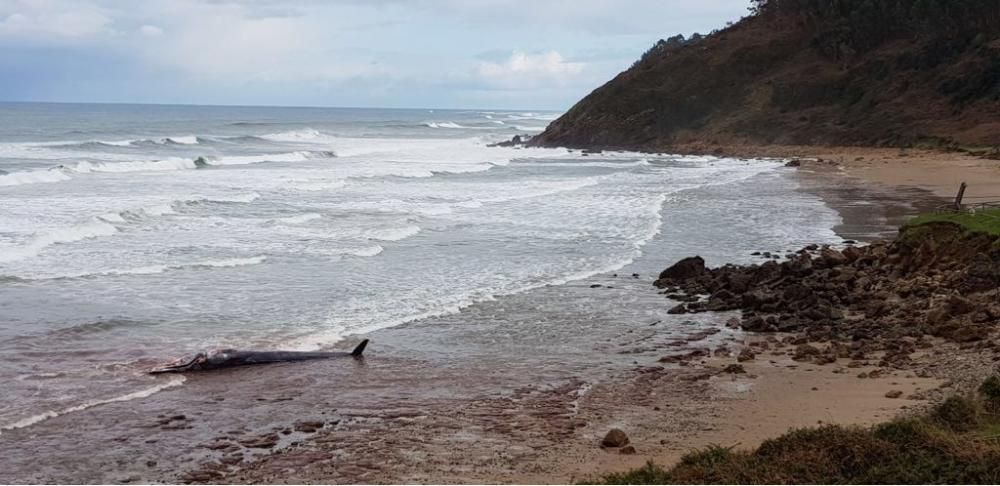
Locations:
958 198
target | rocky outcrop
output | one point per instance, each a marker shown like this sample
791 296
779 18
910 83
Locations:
933 280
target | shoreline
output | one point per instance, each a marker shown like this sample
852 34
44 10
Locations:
700 405
938 172
470 415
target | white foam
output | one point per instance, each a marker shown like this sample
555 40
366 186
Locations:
227 263
158 269
299 219
27 422
185 140
32 177
443 125
92 229
393 234
303 135
366 252
175 163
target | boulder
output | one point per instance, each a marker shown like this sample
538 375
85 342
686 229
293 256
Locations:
615 438
832 258
685 269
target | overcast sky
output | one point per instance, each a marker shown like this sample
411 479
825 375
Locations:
541 54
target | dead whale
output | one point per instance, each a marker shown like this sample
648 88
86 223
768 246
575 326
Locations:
228 358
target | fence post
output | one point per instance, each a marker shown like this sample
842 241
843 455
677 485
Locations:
958 198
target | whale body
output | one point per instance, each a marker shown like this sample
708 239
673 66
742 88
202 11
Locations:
228 358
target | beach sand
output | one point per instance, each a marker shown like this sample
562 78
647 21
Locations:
491 396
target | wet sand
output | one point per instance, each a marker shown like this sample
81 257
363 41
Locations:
516 390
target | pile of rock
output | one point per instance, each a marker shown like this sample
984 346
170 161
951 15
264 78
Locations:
936 280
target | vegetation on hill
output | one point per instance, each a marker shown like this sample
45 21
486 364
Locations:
958 442
987 221
834 72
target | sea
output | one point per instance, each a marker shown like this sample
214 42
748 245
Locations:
131 235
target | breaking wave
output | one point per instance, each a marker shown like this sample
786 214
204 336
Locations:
32 177
92 229
63 172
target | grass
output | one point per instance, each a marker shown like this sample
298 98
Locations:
956 442
987 221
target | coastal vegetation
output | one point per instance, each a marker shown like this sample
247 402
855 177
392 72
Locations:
986 221
956 442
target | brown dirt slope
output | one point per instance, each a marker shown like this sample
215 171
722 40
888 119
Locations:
783 77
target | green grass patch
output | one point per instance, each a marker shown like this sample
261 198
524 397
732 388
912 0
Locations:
987 222
956 442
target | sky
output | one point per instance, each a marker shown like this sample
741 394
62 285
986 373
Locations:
542 54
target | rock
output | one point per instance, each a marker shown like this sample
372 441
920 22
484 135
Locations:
805 352
832 258
615 438
894 394
685 269
678 309
745 355
628 450
793 163
734 369
265 441
309 426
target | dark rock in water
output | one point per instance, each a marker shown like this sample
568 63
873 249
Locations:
746 355
794 163
515 141
595 286
685 269
678 309
615 438
201 163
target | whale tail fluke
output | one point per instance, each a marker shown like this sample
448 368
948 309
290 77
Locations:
359 349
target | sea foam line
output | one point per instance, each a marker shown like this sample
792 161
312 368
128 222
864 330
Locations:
27 422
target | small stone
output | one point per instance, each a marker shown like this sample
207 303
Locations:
894 394
746 355
628 450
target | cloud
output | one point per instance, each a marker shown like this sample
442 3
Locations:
419 53
53 20
150 31
523 71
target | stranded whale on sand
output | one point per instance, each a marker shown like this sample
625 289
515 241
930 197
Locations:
228 358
